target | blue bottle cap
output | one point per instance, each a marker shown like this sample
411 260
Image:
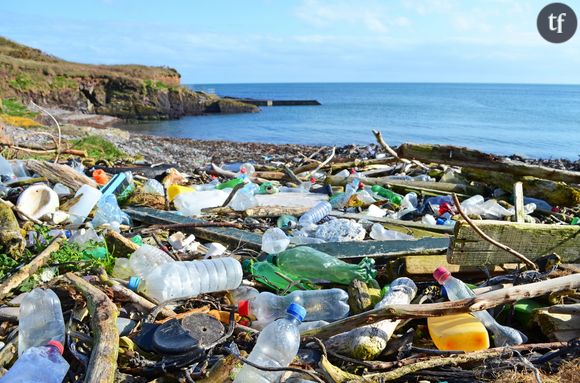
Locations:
297 311
134 283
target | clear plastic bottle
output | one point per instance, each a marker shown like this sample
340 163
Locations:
152 186
379 233
191 203
328 304
242 293
40 320
245 198
89 198
6 172
185 279
456 290
274 241
146 258
314 215
277 345
43 364
109 213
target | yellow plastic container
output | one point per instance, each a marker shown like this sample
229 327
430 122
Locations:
175 190
462 332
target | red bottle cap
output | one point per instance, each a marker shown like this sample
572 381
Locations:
243 170
244 308
312 180
441 274
56 344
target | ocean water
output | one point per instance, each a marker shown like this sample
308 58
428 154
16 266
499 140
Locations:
541 121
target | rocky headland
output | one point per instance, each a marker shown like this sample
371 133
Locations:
124 91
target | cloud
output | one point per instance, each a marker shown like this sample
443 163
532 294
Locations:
371 16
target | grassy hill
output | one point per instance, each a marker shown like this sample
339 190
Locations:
125 91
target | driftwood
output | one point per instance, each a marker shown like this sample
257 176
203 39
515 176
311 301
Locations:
274 211
401 186
470 357
554 192
11 240
26 271
559 322
481 302
119 246
346 164
470 158
103 312
60 173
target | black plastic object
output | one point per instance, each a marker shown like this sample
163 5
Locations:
144 339
205 328
172 338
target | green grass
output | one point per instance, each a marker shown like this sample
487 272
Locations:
156 85
22 82
13 107
99 148
62 82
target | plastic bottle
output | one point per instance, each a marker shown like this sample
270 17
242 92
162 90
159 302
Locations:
19 169
242 293
245 198
109 212
379 233
186 279
458 332
174 190
40 320
191 203
230 184
146 258
6 172
456 290
61 190
428 219
340 230
306 262
89 198
329 305
152 186
408 205
388 194
274 241
209 186
314 215
286 222
43 364
277 345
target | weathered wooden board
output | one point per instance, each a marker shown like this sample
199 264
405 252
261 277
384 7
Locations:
533 240
344 250
426 264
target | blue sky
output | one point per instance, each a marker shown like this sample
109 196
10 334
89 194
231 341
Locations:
241 41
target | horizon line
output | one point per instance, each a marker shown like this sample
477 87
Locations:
379 82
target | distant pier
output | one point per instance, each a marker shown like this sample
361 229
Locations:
258 102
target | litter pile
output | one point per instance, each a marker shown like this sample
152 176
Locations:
428 263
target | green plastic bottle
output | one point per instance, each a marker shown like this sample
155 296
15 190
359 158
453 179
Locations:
229 184
388 194
271 276
306 262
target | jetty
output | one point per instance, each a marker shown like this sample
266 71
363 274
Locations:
260 102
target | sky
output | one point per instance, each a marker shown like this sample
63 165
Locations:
248 41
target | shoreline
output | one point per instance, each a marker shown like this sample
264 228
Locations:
189 154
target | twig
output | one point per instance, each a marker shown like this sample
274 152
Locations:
515 253
233 193
20 276
478 303
323 164
105 350
393 153
175 226
291 174
59 131
279 369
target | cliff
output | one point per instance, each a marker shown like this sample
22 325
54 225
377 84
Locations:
125 91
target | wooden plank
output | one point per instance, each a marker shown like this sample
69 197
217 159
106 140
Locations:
465 157
344 250
519 202
426 264
226 235
60 173
383 249
533 240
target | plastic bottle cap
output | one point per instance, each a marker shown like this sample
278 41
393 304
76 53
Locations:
296 310
441 274
244 308
134 283
243 170
56 344
312 180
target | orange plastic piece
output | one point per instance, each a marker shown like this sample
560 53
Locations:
101 177
462 332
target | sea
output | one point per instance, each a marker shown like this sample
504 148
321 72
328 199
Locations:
533 121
